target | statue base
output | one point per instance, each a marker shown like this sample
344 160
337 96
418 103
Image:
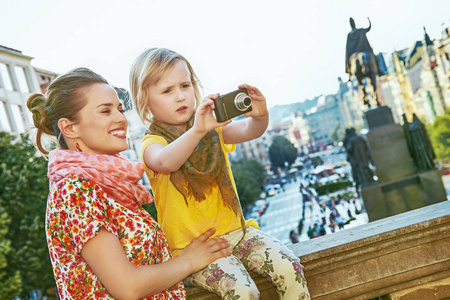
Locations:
390 152
401 195
399 187
378 117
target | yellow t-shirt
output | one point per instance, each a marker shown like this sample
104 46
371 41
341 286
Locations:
183 222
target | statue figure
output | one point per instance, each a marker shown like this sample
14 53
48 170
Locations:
359 156
360 60
405 127
421 148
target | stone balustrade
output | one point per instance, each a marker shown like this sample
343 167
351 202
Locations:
403 257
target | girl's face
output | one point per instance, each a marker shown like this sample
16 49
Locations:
171 100
102 127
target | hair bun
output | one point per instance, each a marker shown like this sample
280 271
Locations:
36 105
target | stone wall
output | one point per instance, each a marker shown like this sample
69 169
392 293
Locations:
406 256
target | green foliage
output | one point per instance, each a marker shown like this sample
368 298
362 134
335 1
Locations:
439 133
316 160
10 284
151 209
282 150
338 133
23 195
334 186
249 176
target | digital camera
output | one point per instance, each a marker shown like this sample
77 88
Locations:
232 105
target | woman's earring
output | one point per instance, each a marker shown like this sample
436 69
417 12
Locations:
77 145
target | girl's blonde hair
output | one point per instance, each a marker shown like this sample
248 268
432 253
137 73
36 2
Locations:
65 97
147 69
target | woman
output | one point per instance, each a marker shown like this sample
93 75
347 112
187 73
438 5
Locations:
102 243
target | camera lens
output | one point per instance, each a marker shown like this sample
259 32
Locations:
242 101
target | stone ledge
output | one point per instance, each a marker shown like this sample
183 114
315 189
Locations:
406 251
403 256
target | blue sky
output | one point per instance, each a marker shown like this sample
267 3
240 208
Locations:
292 50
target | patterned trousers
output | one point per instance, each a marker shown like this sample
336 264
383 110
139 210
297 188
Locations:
259 252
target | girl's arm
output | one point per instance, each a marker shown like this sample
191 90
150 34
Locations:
105 256
250 128
170 158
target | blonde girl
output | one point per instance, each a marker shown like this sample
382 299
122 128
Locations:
184 154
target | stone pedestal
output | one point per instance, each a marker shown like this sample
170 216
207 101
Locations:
399 188
400 195
390 152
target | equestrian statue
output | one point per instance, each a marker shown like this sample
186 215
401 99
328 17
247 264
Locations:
361 61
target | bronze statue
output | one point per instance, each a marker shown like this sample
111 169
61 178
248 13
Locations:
421 148
360 158
405 128
360 60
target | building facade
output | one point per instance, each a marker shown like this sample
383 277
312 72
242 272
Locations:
18 80
323 118
419 81
44 78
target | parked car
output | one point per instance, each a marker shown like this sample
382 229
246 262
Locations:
271 191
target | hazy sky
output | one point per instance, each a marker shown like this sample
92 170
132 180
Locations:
292 50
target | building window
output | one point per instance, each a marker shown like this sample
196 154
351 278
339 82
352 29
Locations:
4 119
22 79
18 117
5 74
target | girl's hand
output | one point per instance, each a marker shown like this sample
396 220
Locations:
202 251
204 120
259 105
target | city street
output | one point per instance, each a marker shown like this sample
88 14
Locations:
285 211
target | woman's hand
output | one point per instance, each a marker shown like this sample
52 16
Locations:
202 251
106 257
204 120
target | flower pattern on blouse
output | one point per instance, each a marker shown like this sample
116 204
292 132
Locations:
76 210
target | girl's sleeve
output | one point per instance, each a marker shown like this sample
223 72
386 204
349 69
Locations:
78 213
226 147
147 141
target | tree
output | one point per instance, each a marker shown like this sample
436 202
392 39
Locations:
23 195
10 284
439 133
338 133
280 151
249 176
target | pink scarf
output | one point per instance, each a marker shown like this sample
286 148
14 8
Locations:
115 174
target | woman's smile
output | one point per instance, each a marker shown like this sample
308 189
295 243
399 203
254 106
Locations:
120 133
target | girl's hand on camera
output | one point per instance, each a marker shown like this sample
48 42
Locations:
259 105
204 119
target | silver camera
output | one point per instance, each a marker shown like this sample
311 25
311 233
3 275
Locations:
232 105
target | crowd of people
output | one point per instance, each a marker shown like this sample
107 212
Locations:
325 214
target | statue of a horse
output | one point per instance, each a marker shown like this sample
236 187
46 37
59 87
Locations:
365 65
361 62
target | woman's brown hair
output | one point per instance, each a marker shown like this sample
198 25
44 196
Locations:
65 97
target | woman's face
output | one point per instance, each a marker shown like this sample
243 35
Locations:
102 128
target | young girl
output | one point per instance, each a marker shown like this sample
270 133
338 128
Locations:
184 153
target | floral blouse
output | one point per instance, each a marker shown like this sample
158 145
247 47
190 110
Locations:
76 210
